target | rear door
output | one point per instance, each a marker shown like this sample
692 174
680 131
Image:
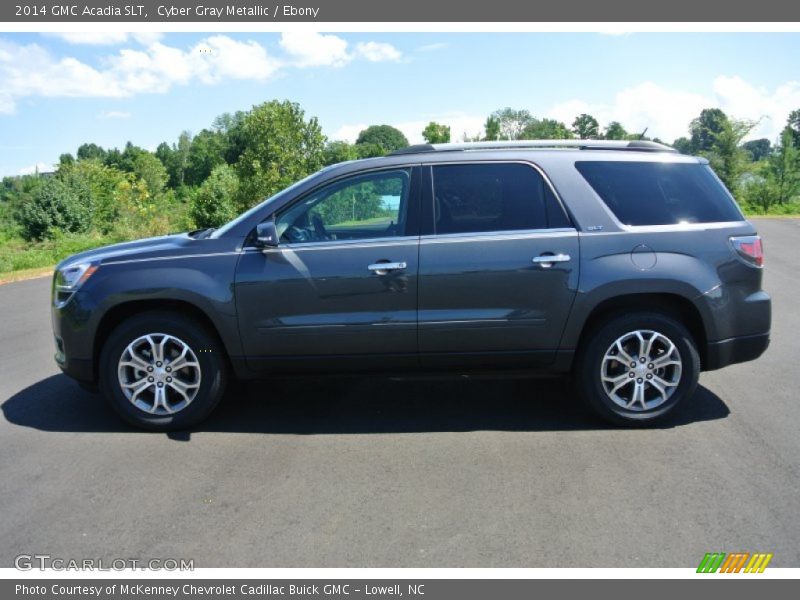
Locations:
498 266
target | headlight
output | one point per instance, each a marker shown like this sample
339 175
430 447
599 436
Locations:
70 278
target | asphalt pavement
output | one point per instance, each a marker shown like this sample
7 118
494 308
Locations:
385 473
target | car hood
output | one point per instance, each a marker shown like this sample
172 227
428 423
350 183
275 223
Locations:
164 245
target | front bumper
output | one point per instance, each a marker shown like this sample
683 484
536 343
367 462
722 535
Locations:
73 337
735 350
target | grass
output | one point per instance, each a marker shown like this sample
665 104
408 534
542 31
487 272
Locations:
23 274
18 255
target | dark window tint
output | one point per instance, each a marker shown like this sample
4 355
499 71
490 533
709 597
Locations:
493 197
644 193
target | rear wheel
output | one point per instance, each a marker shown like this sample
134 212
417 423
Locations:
162 371
634 369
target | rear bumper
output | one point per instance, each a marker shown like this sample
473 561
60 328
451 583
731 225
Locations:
735 350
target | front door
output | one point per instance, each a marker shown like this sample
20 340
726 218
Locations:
341 287
498 267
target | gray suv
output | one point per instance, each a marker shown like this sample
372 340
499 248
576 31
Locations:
625 264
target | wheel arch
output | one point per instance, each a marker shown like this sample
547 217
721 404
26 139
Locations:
674 305
117 314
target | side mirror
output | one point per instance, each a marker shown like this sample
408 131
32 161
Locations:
266 234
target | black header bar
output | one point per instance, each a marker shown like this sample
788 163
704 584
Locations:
416 11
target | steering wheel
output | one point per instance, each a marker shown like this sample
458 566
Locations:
319 227
297 235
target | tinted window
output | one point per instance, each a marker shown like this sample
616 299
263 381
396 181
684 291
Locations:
493 197
363 207
644 193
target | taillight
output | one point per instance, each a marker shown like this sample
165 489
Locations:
749 248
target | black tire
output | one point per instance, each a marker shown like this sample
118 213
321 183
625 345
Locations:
587 375
204 344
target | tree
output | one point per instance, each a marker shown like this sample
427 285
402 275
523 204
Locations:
56 206
215 201
508 123
758 149
435 133
778 180
66 159
164 153
176 158
90 151
492 128
615 131
102 182
586 127
705 129
683 145
546 129
150 170
206 152
230 127
793 123
281 147
338 151
385 136
123 160
725 154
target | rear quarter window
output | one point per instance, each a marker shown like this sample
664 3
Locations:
655 193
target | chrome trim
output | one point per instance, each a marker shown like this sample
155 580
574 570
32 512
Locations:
497 235
382 268
457 321
337 244
172 257
546 260
637 229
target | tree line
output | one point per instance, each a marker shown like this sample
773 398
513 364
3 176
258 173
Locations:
204 180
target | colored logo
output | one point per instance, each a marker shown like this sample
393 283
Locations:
736 562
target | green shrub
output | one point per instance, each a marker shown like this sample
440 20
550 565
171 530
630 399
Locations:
215 201
56 205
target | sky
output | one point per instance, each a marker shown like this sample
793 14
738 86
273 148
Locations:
58 91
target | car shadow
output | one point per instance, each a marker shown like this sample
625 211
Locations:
359 406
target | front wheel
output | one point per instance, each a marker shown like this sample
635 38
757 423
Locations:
162 371
636 368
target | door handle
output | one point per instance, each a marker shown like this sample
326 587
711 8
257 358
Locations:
382 268
546 260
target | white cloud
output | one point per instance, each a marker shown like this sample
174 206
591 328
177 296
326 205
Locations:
378 51
40 167
154 67
114 114
743 100
30 70
312 49
232 59
666 112
107 38
432 47
349 132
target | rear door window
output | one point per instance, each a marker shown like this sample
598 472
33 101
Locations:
655 193
472 198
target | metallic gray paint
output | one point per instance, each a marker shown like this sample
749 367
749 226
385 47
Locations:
463 301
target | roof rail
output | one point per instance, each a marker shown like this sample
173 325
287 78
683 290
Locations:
631 145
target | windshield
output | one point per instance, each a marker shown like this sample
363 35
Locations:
258 207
